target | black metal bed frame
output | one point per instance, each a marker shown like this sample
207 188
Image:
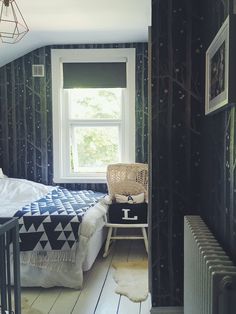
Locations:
9 245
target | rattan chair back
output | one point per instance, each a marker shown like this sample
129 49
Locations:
127 179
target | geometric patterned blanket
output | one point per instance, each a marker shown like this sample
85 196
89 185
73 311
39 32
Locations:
52 223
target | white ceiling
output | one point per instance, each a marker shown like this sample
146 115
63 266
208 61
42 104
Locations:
79 21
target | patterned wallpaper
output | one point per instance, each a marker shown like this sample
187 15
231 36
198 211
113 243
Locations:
177 113
26 115
219 181
193 156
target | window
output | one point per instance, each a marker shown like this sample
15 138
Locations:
95 128
93 112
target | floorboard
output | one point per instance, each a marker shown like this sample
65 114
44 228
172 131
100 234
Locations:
146 306
46 299
30 295
108 304
98 293
65 301
126 306
93 284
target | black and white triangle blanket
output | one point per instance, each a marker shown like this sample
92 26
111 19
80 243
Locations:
49 227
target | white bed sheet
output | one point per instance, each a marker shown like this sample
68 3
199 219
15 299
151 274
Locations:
16 193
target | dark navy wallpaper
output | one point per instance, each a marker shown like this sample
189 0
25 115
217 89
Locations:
219 181
26 114
192 155
177 114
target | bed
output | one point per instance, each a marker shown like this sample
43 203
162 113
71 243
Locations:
58 265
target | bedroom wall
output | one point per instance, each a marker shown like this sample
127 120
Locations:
219 184
177 113
26 115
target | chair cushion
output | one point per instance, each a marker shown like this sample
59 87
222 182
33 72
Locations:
131 199
125 213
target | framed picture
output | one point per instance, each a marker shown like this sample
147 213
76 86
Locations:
217 70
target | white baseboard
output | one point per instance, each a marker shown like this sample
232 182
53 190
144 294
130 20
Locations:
167 310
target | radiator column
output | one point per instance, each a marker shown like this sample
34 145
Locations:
209 274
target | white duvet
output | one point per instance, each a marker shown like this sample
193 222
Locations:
16 193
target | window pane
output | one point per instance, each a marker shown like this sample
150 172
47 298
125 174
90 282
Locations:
92 148
95 103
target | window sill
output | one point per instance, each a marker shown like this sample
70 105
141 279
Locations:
80 180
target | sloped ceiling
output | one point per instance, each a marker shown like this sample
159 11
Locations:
79 21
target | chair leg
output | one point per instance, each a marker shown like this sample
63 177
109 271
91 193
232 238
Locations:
107 242
145 238
114 232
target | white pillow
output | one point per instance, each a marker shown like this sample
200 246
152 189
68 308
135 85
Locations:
131 199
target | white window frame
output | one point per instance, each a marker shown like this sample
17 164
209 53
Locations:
61 161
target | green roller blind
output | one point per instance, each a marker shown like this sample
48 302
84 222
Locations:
94 75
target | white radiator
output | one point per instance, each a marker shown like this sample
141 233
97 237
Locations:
209 274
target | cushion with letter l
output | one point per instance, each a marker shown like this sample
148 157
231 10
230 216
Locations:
125 213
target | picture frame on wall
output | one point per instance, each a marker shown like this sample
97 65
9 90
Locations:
217 70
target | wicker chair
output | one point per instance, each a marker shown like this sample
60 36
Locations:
126 180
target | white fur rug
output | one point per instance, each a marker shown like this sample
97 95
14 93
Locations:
132 279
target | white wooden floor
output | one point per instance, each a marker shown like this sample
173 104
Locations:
98 294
